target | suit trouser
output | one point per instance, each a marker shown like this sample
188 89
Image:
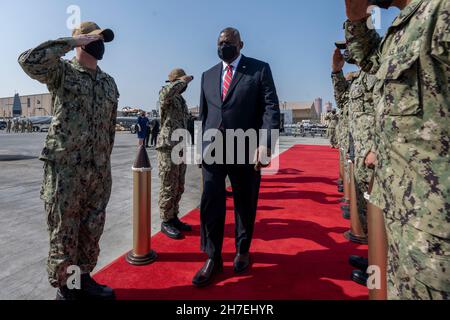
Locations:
75 202
154 138
245 182
147 138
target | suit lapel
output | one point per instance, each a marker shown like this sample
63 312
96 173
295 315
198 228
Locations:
237 77
217 78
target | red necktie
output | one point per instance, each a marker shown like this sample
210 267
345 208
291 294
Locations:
227 82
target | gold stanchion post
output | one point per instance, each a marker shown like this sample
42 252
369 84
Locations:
142 253
356 233
346 185
378 247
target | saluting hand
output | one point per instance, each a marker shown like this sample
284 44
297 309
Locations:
187 79
84 39
338 61
356 9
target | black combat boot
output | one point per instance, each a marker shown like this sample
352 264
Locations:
180 225
359 263
360 277
65 294
171 230
91 290
346 215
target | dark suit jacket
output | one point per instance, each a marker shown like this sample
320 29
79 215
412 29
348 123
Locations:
251 102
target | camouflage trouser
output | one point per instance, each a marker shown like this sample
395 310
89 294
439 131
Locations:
332 136
75 202
344 158
377 197
418 264
362 179
172 179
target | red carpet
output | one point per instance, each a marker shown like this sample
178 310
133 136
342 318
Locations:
299 251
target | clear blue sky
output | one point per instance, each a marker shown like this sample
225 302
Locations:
152 36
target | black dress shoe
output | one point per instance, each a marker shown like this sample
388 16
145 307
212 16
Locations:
180 225
359 263
355 239
207 273
360 277
91 290
170 230
241 263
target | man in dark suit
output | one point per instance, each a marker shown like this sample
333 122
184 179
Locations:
238 93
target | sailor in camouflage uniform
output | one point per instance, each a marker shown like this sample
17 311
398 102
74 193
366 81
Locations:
174 116
341 87
16 126
361 122
77 152
412 139
23 126
332 121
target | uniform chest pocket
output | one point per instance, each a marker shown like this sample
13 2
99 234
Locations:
400 76
111 97
76 85
357 99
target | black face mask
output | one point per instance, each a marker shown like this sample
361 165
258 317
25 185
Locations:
348 57
183 90
96 49
228 52
385 4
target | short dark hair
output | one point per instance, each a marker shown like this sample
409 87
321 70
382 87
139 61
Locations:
235 32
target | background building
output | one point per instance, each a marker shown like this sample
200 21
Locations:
26 106
297 111
195 111
318 106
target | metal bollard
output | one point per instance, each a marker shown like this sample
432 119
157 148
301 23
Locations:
356 233
346 184
142 253
378 246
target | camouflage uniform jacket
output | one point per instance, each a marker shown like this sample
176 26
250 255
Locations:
84 105
362 114
332 120
412 109
328 119
341 94
174 113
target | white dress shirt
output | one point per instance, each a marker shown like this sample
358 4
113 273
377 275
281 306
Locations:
234 64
